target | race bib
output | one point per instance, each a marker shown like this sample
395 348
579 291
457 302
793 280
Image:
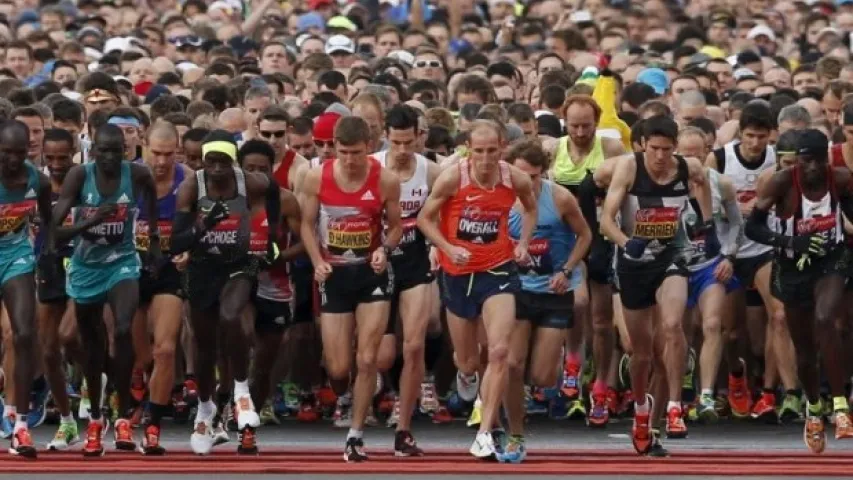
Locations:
657 223
14 216
478 226
111 230
540 257
143 241
349 236
222 236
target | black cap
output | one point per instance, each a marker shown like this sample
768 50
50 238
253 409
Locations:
813 143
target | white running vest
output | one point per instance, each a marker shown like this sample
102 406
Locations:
745 181
413 195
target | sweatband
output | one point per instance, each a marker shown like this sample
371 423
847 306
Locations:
220 146
124 121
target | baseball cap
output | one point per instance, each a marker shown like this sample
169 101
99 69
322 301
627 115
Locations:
315 4
339 43
760 30
310 20
655 78
324 126
342 23
813 142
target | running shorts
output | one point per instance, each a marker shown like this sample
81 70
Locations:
348 286
88 284
464 295
796 288
700 280
546 310
168 281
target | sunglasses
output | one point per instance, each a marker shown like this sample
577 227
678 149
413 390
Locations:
427 63
272 133
324 143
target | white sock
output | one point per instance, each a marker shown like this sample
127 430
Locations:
240 389
672 404
65 419
205 410
21 422
353 433
707 391
478 402
641 409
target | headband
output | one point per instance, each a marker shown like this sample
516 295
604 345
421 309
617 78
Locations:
133 121
99 95
220 146
786 152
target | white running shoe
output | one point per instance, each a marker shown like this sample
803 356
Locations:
202 439
483 446
466 387
244 410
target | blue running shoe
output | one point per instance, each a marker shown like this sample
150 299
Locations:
38 406
515 451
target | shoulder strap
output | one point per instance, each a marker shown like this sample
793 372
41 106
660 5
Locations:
202 186
506 175
241 181
464 174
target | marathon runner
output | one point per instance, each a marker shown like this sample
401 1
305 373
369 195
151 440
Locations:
22 189
213 224
478 276
810 268
161 292
105 267
344 201
560 241
650 191
410 262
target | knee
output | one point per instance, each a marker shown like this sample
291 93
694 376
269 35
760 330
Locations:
229 318
516 365
164 353
778 321
366 361
672 331
712 327
498 354
544 378
824 322
413 350
602 328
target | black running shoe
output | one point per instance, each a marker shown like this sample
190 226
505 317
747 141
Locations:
656 449
405 445
246 442
354 450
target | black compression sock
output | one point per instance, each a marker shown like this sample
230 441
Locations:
432 350
157 412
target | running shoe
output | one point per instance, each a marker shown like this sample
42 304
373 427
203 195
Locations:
535 401
687 382
22 444
657 449
386 403
290 397
765 408
220 434
814 434
571 379
429 397
790 408
268 416
85 405
308 412
124 435
38 406
202 439
641 432
483 446
467 387
405 445
244 412
576 409
394 417
500 439
843 425
66 435
354 451
515 451
343 412
675 426
137 384
739 396
94 446
247 442
151 441
7 422
180 407
191 391
598 412
707 409
442 415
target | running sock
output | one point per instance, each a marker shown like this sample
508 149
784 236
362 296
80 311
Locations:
21 422
839 404
353 433
478 403
240 389
671 405
66 419
432 350
814 409
205 410
707 392
157 411
11 411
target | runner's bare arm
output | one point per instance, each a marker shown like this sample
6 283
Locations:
310 202
571 213
731 242
389 185
293 216
698 177
187 228
524 190
612 147
45 213
711 162
143 182
445 186
68 198
433 170
757 228
844 179
620 183
299 163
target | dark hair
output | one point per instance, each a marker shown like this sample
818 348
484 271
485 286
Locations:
178 118
660 126
756 115
195 135
109 131
28 112
529 150
169 78
331 79
301 126
552 96
58 135
44 89
21 97
439 136
274 113
256 147
327 97
352 131
521 112
705 124
637 94
219 135
219 96
67 110
401 117
164 105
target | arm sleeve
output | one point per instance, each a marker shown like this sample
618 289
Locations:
758 230
588 191
187 232
731 241
273 207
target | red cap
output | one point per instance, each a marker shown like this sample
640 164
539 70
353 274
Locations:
142 88
315 4
324 126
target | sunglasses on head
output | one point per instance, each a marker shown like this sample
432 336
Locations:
272 133
428 63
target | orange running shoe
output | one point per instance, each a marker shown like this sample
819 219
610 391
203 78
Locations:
843 425
151 441
641 432
442 415
22 443
739 398
765 407
137 385
675 426
598 412
94 446
571 380
308 410
326 397
612 402
814 434
124 435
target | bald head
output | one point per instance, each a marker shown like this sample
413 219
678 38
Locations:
813 107
232 120
14 131
163 130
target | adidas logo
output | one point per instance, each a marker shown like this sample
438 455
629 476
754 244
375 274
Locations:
214 250
679 186
265 223
123 198
378 292
89 198
367 196
30 194
124 270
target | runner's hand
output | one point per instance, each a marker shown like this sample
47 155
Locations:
378 261
217 213
804 262
559 283
808 245
522 255
433 259
322 272
103 212
724 271
712 242
181 261
458 255
635 247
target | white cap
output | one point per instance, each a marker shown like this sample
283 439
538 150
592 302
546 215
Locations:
403 56
393 3
827 30
760 30
744 72
184 66
511 3
339 43
77 96
123 44
581 16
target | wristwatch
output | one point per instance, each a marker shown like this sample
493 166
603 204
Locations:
567 272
